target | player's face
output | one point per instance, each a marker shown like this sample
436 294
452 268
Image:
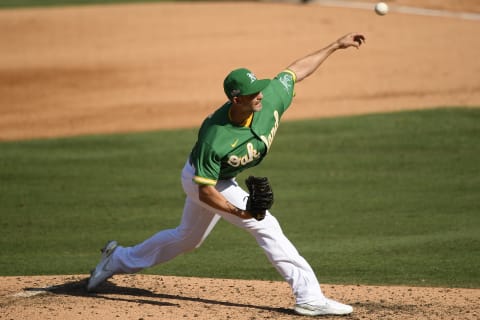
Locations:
252 101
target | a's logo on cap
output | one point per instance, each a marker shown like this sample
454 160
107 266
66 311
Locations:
252 77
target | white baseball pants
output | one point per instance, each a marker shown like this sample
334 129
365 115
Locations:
198 221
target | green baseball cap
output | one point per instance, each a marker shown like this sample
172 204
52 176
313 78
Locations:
242 82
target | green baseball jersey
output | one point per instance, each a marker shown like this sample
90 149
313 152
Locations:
223 150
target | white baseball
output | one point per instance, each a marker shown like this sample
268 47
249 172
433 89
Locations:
381 8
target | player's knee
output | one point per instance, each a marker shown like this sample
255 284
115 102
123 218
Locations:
188 240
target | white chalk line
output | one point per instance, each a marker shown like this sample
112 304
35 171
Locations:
400 9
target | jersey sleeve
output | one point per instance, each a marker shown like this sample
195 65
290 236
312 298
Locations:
293 74
284 87
207 165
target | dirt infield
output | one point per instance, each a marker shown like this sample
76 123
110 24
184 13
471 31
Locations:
121 68
160 297
78 70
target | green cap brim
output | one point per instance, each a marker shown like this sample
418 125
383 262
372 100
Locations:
258 86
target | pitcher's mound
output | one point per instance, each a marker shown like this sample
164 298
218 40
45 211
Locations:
164 297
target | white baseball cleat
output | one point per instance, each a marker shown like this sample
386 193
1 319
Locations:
330 307
101 272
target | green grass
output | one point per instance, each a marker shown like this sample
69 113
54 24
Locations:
6 4
375 199
47 3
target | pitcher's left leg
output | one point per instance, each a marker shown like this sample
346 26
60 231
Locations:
278 248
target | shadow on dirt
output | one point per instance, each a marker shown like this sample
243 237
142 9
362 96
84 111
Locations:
113 292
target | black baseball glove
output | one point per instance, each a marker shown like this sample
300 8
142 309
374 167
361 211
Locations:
260 198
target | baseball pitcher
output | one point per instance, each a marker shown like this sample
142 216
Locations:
235 137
